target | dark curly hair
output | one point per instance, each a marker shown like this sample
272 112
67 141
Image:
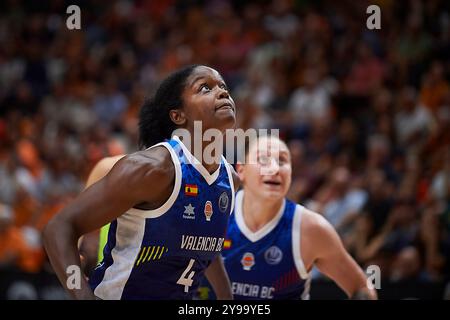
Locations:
155 124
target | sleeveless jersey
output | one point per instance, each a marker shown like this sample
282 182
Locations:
266 264
162 253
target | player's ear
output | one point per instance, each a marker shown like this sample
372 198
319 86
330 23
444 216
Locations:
177 116
240 170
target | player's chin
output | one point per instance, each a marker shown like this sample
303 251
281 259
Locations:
273 194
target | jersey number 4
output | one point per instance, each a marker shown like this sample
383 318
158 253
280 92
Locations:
186 280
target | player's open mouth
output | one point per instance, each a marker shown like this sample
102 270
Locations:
272 183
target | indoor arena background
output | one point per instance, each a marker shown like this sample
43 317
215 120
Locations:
366 114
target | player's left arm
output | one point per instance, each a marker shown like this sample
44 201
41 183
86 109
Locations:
218 278
334 261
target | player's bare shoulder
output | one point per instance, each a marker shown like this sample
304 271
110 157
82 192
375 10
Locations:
155 163
320 234
146 170
313 222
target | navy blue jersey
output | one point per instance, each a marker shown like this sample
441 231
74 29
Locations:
162 253
266 264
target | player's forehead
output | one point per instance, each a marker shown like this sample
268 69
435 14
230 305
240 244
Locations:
204 73
268 145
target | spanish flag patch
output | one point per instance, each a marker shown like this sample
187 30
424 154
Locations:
191 190
227 244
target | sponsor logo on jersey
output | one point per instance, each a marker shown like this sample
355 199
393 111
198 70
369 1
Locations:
223 202
191 190
189 212
273 255
208 210
248 261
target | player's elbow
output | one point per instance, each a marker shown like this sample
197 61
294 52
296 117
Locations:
57 228
50 233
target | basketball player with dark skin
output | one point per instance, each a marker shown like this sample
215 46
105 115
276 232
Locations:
131 181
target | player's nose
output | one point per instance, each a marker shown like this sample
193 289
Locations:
223 93
272 168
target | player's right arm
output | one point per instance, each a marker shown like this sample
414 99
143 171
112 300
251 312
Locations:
89 243
331 258
129 183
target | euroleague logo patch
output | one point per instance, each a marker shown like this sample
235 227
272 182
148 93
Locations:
223 202
273 255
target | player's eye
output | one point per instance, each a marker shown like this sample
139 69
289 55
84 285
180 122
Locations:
204 88
264 160
283 160
223 86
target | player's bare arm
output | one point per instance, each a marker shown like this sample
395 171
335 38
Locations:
88 243
327 252
218 278
130 183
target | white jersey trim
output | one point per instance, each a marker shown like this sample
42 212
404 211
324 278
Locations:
129 234
261 233
230 177
155 213
209 177
305 294
296 245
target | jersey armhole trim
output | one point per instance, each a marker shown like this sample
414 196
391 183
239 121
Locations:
155 213
230 178
296 245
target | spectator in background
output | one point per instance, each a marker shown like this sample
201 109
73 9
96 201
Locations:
339 200
379 156
434 87
310 102
440 183
281 22
9 185
304 180
110 104
406 265
370 222
431 241
32 174
413 122
18 247
412 47
366 74
397 233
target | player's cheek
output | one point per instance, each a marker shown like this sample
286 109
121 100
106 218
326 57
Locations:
286 175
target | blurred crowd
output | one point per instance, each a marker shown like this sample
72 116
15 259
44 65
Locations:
366 113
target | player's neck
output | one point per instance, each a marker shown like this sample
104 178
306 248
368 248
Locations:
213 160
257 211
